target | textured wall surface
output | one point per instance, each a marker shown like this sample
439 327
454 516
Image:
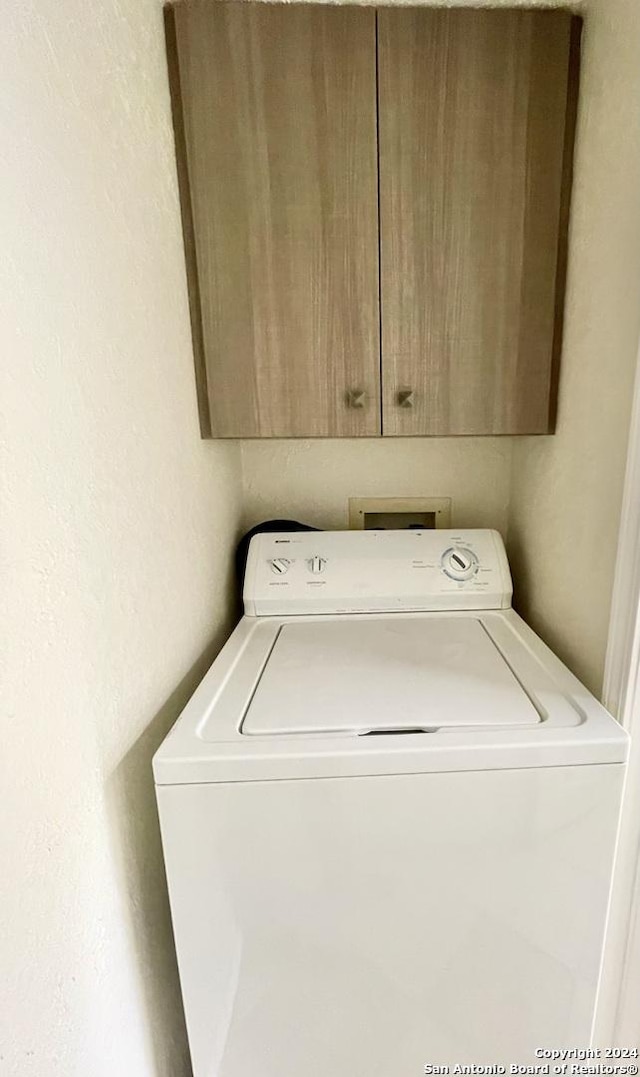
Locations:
566 490
313 480
122 523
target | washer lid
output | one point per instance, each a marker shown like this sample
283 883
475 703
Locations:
382 675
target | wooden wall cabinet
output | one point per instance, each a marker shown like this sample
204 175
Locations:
279 122
375 211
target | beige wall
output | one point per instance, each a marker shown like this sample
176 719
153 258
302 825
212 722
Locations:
566 489
122 521
313 480
118 552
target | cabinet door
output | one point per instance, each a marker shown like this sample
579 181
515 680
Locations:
475 122
278 124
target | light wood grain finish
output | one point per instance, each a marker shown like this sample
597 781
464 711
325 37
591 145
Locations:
188 234
279 111
472 141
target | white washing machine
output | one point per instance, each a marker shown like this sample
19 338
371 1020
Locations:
389 817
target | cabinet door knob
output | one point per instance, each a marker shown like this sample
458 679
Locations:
356 398
405 398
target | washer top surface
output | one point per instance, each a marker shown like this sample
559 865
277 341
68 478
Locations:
239 727
341 676
379 653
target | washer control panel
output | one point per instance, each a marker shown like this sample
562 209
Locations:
308 572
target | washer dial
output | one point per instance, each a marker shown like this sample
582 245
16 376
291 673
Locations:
459 563
280 565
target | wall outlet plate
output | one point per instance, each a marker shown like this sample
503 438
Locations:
368 513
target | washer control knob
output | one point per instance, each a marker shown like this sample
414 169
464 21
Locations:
316 564
280 565
459 563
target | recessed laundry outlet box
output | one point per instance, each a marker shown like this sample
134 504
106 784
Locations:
398 513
